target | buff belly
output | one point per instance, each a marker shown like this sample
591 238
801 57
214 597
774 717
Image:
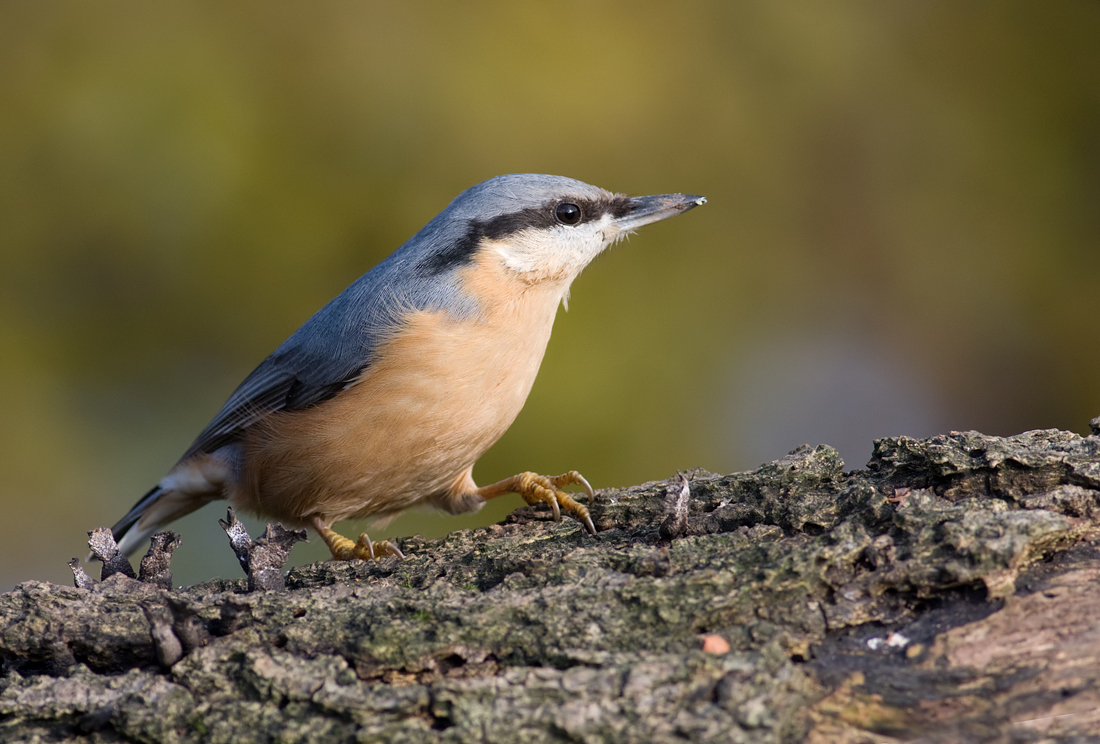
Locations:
435 399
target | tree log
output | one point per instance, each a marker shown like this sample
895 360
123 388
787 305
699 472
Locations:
949 592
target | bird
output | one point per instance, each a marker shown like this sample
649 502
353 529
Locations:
387 396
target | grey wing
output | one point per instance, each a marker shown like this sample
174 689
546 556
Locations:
328 353
275 385
334 347
296 376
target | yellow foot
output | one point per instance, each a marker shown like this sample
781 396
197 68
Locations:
546 489
363 549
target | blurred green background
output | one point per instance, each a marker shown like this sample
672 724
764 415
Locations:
902 234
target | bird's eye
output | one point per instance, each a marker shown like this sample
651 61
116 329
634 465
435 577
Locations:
567 213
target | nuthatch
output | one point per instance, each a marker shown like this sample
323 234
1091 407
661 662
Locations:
389 394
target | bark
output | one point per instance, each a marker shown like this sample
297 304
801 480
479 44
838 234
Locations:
947 593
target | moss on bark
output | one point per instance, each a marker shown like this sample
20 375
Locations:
930 594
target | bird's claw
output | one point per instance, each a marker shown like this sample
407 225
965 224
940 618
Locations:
385 548
547 489
363 549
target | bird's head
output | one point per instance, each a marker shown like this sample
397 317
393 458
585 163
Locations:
543 228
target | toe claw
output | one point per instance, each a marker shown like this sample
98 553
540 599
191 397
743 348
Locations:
561 500
363 549
385 547
539 489
588 524
573 477
554 506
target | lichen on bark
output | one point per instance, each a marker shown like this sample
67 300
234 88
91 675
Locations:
858 606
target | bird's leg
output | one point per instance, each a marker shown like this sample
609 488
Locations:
343 549
546 489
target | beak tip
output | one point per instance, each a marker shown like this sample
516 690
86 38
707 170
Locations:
649 209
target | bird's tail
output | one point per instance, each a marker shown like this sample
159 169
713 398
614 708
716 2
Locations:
191 485
131 530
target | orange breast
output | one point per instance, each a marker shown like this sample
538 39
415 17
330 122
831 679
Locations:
439 393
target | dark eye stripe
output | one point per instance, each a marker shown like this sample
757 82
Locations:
544 217
463 250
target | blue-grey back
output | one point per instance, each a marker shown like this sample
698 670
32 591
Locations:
335 346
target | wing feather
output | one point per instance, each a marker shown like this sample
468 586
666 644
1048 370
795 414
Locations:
328 353
278 384
336 346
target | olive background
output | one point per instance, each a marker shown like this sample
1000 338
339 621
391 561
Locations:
901 236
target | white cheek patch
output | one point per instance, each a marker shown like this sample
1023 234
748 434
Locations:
521 251
560 251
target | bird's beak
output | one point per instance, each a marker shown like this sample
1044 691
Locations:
647 209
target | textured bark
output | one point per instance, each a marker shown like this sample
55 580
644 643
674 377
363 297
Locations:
949 593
